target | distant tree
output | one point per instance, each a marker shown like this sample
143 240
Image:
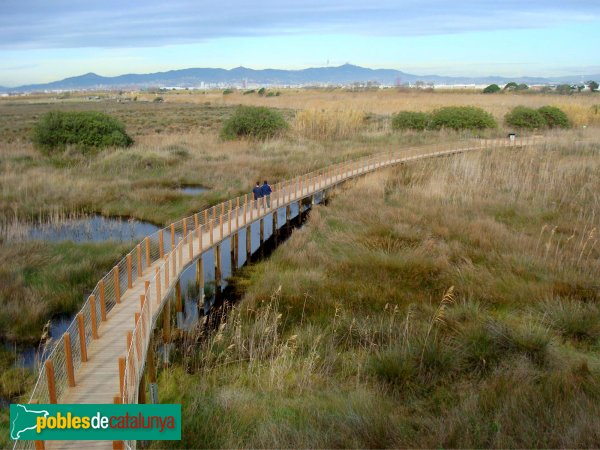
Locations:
580 87
592 85
565 89
511 86
262 91
492 89
521 87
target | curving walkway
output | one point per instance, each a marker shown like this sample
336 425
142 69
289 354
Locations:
104 355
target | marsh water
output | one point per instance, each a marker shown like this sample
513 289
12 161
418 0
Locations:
99 229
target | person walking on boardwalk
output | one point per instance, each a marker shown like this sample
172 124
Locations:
266 192
257 191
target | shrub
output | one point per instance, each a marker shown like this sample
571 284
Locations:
554 117
262 91
86 130
255 122
227 91
492 89
462 118
410 120
524 117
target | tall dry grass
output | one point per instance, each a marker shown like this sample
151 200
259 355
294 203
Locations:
325 124
441 304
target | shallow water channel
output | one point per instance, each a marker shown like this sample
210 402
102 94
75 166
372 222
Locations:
99 229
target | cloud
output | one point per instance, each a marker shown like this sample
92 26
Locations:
150 23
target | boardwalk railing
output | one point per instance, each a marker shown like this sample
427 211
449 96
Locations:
175 247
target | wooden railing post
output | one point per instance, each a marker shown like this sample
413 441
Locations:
148 259
161 247
172 236
102 301
211 232
121 374
117 285
39 445
93 317
218 267
69 360
51 381
82 345
129 272
139 260
237 212
245 208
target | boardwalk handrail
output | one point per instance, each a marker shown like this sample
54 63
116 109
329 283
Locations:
169 245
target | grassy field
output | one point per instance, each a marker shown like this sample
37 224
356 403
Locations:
177 143
446 303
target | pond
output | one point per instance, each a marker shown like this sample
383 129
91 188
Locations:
95 228
191 189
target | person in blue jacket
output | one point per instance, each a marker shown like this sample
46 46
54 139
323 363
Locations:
257 191
266 190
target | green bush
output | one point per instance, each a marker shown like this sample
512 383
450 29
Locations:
462 118
86 130
410 120
255 122
492 89
554 117
525 118
228 91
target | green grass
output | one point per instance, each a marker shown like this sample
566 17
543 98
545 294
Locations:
431 306
39 281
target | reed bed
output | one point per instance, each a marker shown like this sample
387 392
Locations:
446 303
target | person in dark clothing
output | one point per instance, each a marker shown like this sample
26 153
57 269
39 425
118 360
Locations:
266 190
257 191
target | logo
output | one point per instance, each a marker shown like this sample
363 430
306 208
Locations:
95 422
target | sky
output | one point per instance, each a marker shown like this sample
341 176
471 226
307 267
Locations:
47 40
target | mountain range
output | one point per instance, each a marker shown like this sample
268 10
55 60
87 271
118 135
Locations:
242 76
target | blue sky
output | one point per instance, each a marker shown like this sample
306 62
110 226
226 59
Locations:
46 40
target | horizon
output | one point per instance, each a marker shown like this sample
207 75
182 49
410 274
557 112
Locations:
45 43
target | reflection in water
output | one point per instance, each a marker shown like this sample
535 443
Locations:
192 190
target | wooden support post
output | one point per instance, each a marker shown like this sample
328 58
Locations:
117 284
102 300
175 264
121 374
139 261
221 227
142 390
161 246
200 276
129 272
229 220
262 230
248 242
275 225
148 260
196 221
39 445
69 360
245 209
184 227
180 262
232 252
138 349
172 236
51 381
82 345
166 331
93 317
205 216
218 267
178 302
142 301
190 239
237 212
147 288
211 232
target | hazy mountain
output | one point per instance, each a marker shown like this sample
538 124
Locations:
345 74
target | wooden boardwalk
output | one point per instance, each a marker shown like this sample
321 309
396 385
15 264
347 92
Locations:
99 379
